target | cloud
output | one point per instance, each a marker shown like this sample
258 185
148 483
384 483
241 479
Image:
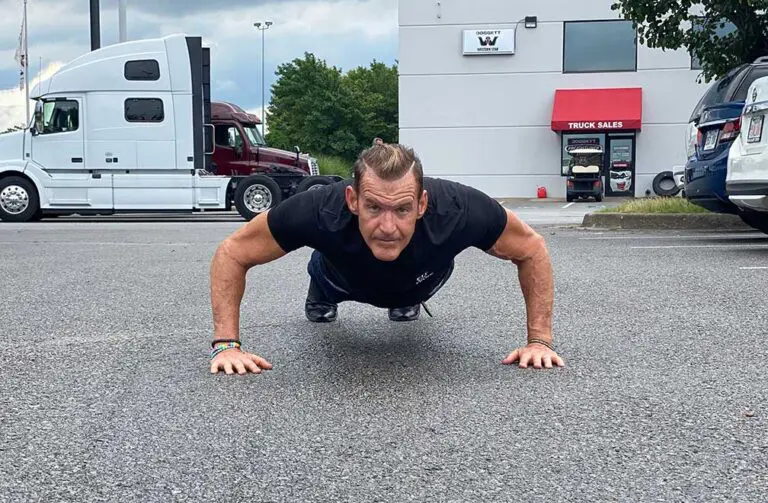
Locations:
12 101
346 33
259 112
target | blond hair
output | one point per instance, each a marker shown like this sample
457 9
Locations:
389 162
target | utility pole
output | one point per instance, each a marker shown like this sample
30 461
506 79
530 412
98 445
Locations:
26 64
123 36
262 27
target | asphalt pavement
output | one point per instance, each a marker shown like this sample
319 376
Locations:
105 392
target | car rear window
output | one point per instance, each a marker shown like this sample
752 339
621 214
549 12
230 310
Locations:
716 92
755 73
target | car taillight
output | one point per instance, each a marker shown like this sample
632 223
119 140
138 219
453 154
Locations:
570 184
596 184
698 136
731 130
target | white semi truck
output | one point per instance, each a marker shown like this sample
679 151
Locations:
122 129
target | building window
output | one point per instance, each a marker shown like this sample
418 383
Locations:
599 46
144 110
144 69
724 28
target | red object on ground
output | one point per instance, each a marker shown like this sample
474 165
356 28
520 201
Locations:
597 109
542 192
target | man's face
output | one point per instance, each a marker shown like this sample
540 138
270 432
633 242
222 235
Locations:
387 212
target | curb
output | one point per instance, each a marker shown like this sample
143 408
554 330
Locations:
700 221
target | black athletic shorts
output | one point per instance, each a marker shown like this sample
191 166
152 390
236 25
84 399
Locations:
335 292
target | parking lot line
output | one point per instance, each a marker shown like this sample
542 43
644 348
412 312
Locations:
673 236
567 205
101 243
733 246
753 268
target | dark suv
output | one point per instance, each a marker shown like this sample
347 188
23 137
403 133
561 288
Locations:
715 122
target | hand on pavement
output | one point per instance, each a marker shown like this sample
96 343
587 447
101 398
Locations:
535 353
236 360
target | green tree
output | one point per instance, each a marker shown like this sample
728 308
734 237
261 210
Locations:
311 107
375 94
327 112
675 24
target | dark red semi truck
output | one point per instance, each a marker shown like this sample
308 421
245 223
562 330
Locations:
272 174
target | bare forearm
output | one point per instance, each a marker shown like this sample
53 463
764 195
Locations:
227 289
537 284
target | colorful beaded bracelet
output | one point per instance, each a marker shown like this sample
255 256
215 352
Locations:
218 347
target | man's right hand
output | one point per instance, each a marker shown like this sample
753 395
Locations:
242 362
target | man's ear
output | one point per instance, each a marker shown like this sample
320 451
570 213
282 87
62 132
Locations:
351 197
423 203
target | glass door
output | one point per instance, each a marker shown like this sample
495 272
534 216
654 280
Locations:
620 166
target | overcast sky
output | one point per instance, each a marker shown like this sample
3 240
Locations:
346 33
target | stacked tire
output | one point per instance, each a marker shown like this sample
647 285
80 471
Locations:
664 184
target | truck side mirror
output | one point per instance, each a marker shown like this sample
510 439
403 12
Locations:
297 149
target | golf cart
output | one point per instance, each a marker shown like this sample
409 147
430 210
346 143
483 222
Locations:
583 172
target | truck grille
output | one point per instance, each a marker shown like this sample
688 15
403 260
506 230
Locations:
314 168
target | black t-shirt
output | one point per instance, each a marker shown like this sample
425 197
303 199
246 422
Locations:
457 217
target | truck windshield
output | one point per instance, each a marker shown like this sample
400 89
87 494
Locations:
254 136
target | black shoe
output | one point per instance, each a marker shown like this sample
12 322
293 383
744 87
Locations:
318 312
410 313
317 309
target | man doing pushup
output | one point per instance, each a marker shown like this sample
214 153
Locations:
387 238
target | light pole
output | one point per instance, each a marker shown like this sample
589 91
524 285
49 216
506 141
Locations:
262 27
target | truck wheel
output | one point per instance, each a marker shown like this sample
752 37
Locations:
18 200
256 194
313 182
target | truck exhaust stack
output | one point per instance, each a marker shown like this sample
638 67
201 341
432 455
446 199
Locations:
95 26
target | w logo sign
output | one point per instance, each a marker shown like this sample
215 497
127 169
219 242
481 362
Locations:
487 41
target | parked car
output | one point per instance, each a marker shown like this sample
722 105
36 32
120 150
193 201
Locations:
716 120
747 178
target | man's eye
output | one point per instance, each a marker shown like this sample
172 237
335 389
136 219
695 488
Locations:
403 211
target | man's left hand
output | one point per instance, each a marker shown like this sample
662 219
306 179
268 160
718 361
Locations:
537 354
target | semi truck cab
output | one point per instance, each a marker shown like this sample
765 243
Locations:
241 150
126 128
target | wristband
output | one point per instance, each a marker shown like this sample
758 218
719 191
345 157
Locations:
542 342
223 346
219 341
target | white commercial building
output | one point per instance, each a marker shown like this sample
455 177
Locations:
493 91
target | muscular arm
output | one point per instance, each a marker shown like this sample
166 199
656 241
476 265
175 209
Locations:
251 245
527 249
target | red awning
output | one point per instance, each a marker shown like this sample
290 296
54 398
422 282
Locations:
597 109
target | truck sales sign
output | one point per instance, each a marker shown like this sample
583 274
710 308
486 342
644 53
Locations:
489 42
596 125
